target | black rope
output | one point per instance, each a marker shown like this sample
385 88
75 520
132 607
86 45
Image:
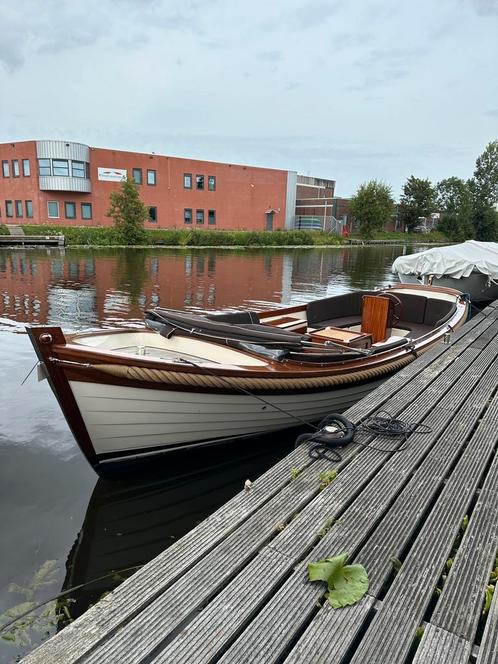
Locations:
323 444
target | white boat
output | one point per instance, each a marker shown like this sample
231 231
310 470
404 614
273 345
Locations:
471 267
197 380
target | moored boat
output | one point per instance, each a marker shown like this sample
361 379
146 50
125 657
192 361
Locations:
471 267
189 380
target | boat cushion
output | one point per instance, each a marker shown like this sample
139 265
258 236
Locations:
413 307
325 312
438 311
345 321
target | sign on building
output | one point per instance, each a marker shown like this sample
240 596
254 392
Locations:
112 174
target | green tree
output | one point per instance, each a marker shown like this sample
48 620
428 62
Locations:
485 222
454 202
486 175
417 200
372 206
129 213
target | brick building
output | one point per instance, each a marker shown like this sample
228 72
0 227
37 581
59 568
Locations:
67 183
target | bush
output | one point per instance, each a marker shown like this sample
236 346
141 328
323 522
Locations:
183 237
3 230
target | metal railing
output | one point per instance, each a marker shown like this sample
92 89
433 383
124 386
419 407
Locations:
327 224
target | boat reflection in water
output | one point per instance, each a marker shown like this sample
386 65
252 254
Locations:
130 521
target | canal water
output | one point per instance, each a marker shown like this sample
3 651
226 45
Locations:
61 525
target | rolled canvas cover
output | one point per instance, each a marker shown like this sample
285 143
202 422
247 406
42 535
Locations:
455 261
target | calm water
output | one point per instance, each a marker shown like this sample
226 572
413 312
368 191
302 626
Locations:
61 525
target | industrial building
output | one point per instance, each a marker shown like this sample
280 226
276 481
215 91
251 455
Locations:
54 182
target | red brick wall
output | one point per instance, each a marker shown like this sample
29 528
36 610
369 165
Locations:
242 197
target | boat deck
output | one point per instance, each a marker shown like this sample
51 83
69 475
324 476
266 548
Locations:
423 521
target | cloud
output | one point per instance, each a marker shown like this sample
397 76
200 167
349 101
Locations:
270 56
486 7
311 14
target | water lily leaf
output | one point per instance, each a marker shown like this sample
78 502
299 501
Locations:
347 586
323 570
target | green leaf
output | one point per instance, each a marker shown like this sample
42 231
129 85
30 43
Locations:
347 585
488 598
323 570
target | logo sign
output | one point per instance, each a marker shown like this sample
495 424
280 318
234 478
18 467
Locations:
112 174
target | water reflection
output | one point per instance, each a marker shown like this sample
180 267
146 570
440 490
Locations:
80 288
127 523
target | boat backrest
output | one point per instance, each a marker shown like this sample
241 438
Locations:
339 306
417 309
438 312
413 309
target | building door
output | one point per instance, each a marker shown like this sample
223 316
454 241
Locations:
269 221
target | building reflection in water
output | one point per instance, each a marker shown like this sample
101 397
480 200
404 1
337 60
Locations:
81 288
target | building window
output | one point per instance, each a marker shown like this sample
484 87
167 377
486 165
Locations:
87 170
211 183
86 210
9 209
137 175
211 217
15 168
78 169
151 178
60 167
29 209
187 180
187 216
18 208
70 210
53 209
199 216
44 167
199 181
153 214
25 168
5 169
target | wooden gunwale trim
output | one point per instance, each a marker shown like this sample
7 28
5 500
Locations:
268 313
274 371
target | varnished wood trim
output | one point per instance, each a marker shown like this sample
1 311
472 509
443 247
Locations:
61 388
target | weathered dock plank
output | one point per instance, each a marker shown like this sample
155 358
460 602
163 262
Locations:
268 632
235 589
441 647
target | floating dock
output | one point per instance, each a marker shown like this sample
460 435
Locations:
422 519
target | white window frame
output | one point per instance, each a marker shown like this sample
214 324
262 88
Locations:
50 216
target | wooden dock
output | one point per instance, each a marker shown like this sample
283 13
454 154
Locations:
422 520
30 240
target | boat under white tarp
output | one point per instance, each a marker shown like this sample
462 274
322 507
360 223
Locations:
471 267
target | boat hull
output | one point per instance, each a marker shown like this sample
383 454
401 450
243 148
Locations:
478 286
123 421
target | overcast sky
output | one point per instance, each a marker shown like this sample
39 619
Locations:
345 90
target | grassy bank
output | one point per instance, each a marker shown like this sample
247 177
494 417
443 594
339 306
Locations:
107 237
433 236
92 236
